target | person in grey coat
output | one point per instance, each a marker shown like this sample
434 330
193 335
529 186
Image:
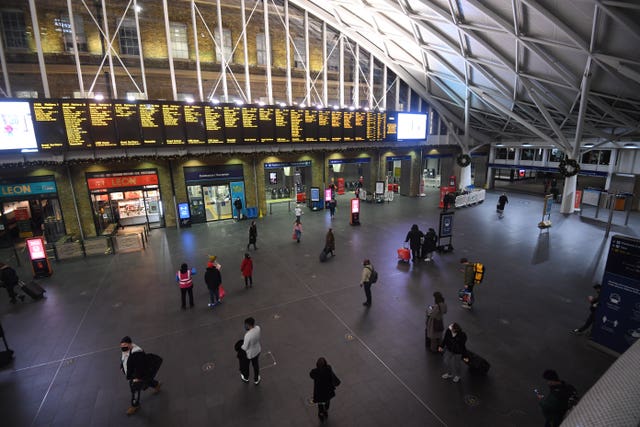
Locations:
435 322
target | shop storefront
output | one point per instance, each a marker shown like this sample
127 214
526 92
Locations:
125 198
349 174
30 208
287 180
398 172
212 190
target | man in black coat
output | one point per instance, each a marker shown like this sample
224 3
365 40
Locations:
414 237
140 368
213 279
10 280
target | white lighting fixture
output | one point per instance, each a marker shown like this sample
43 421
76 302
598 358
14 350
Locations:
366 108
260 103
188 100
499 144
589 145
335 107
138 8
131 98
630 145
352 108
526 144
319 106
282 104
238 102
99 97
214 100
302 105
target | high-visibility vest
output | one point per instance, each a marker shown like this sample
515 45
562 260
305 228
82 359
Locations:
184 279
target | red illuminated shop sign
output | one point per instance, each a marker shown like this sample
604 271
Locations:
122 181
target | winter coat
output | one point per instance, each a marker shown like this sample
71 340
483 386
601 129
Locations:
212 277
246 267
430 242
436 313
413 237
323 384
253 234
502 201
330 242
455 345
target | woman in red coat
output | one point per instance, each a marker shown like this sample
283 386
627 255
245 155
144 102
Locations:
246 267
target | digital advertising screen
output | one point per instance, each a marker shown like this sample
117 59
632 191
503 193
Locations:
411 126
214 123
103 126
151 123
250 127
17 131
77 124
48 125
194 125
127 121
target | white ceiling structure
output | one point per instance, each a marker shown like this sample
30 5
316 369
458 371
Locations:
551 72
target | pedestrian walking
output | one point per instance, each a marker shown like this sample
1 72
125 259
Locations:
183 277
213 260
366 280
454 348
251 345
213 280
430 244
253 235
298 212
593 305
330 242
332 207
246 267
473 274
502 201
297 230
10 280
558 401
435 322
140 369
414 237
325 382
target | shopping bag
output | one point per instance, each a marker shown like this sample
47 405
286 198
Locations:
221 292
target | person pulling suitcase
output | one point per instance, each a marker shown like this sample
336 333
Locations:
10 280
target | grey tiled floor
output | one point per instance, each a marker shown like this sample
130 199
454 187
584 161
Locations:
66 367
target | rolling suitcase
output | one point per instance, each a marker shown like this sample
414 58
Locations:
404 254
477 365
32 289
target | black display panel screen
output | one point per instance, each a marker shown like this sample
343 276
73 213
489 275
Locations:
381 128
103 125
49 125
348 122
266 117
360 126
250 124
296 118
283 128
336 126
77 124
151 123
127 121
372 126
311 125
194 125
214 123
173 119
324 126
233 124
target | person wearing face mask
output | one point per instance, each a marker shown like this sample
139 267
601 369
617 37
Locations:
453 346
140 369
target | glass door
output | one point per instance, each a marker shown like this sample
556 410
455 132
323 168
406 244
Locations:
153 205
217 202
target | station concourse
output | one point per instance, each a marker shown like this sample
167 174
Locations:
66 367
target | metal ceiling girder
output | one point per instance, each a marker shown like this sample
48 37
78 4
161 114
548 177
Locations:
621 117
582 110
633 28
545 113
575 37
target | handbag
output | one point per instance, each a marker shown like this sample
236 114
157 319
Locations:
221 292
294 236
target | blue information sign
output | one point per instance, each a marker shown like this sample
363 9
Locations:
446 224
183 211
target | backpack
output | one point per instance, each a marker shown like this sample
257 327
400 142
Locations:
478 272
373 278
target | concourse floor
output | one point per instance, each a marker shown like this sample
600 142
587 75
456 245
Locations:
66 370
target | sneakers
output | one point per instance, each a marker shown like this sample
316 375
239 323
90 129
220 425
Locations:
467 306
132 410
577 331
246 380
456 379
366 304
211 305
156 389
446 376
256 382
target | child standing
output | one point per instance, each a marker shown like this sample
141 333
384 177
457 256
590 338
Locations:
246 267
297 230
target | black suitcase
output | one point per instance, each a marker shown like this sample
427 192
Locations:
323 255
32 289
477 365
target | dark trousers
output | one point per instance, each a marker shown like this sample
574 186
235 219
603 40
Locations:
214 295
183 294
587 322
367 292
323 407
244 368
415 252
252 243
11 291
248 281
137 387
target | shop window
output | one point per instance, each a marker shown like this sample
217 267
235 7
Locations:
225 46
299 53
556 155
505 153
63 24
534 154
261 49
14 31
128 38
179 44
596 157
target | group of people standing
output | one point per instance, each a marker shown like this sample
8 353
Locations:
422 245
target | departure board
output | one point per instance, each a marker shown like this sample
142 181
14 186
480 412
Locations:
266 120
296 118
391 129
49 125
348 122
127 121
372 126
214 123
311 125
77 124
233 124
283 128
336 126
250 124
173 119
151 123
103 126
360 126
324 126
194 125
381 126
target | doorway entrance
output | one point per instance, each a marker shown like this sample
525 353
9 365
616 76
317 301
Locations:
217 202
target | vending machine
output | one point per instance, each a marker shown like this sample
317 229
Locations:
38 255
355 212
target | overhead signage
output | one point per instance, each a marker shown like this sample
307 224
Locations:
346 161
277 165
546 169
397 158
213 173
101 181
28 189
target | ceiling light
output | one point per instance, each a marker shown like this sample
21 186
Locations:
499 144
98 97
188 100
214 100
589 145
630 145
526 144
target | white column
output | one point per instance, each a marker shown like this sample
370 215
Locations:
143 73
611 168
397 102
105 23
356 78
341 73
384 86
372 64
408 99
194 24
223 56
247 75
307 65
287 37
325 65
76 55
267 46
5 73
465 177
36 35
